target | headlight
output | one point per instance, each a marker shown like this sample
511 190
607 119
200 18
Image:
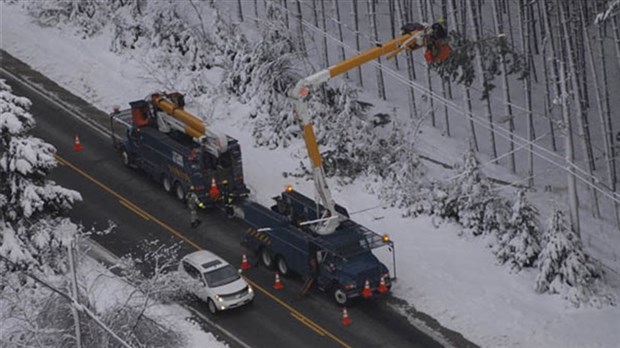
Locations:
348 286
250 290
218 298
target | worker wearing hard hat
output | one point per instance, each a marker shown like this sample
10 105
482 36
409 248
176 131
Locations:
192 203
437 48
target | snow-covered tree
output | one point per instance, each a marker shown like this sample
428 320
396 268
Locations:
470 196
565 268
31 206
519 243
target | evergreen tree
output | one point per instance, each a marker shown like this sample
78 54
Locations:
470 196
519 243
31 206
564 267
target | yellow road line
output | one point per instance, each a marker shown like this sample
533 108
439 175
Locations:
130 207
310 324
296 314
109 190
285 305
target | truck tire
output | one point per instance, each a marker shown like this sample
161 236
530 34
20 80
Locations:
266 258
211 306
167 184
283 266
340 296
179 192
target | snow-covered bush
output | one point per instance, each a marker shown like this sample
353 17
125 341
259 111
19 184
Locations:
88 16
565 268
519 243
471 199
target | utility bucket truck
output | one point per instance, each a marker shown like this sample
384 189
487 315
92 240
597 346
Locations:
176 149
317 239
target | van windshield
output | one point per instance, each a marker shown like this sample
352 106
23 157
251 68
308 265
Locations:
221 276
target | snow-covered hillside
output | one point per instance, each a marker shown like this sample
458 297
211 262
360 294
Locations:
443 271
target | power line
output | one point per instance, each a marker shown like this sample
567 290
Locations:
72 301
583 176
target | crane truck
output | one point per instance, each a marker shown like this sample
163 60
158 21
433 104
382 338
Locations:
176 149
317 239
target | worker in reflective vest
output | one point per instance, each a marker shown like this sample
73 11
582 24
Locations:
192 203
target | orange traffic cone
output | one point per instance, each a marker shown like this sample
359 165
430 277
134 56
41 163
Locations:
366 293
214 192
345 317
278 284
245 265
77 146
382 287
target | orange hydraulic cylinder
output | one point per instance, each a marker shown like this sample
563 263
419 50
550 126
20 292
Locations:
311 145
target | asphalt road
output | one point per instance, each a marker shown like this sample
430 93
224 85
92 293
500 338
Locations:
142 211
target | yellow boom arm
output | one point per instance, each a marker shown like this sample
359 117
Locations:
408 41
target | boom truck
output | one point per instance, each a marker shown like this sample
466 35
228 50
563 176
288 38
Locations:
176 149
317 239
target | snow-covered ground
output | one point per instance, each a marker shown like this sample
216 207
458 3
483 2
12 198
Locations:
450 277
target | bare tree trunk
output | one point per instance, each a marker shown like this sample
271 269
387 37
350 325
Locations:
533 22
446 88
300 29
466 93
285 5
603 109
410 64
239 11
581 121
616 31
444 91
573 200
375 41
315 13
547 40
528 14
499 28
391 7
325 52
256 12
340 37
429 80
356 25
481 77
527 86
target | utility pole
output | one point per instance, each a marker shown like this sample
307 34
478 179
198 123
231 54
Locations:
74 295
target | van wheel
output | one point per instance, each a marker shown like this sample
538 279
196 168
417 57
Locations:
167 185
266 258
180 192
211 306
340 296
282 266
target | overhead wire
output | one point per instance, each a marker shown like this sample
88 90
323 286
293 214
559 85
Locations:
542 153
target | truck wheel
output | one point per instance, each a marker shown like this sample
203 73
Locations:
167 184
340 296
211 306
266 258
126 160
282 266
180 192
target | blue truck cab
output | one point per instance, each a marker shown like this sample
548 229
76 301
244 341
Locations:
176 160
340 263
